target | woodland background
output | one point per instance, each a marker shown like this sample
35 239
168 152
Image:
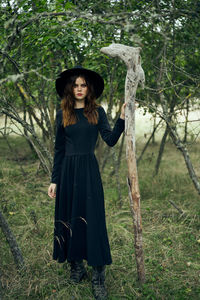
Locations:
38 39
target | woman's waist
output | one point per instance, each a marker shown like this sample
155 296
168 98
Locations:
69 153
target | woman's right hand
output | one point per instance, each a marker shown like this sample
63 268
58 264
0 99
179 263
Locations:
52 190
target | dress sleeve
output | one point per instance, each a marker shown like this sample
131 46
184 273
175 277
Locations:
108 135
59 148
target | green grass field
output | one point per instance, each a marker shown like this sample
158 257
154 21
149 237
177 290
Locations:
171 240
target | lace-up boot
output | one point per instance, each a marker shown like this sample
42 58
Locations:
98 286
78 271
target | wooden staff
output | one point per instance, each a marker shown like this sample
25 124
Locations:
135 75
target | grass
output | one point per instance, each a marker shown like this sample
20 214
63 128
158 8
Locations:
171 240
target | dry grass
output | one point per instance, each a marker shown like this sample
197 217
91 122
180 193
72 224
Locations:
171 240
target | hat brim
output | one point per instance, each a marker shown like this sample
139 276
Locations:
95 79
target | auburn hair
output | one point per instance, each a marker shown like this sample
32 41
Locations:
68 102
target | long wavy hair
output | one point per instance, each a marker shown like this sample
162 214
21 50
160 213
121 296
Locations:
68 102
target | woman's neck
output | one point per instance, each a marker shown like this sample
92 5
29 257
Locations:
79 104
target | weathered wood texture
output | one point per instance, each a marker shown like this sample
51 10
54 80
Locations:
135 75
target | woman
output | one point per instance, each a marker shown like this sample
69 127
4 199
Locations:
80 226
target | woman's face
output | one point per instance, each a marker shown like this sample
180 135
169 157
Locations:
80 89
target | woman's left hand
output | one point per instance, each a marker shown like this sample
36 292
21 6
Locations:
122 116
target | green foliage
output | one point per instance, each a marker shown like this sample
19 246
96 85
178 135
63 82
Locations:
40 39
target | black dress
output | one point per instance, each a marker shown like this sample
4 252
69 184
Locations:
80 227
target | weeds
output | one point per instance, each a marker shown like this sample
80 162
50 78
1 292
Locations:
171 239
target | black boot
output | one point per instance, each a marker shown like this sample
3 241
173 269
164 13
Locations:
98 279
78 271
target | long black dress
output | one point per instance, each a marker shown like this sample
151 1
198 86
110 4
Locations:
80 227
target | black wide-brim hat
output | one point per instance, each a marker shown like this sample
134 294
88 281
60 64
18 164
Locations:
95 79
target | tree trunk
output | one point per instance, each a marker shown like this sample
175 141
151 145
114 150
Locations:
51 116
135 74
179 145
106 157
121 150
41 150
116 172
182 148
119 154
118 166
15 155
154 126
161 150
186 122
147 143
16 252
